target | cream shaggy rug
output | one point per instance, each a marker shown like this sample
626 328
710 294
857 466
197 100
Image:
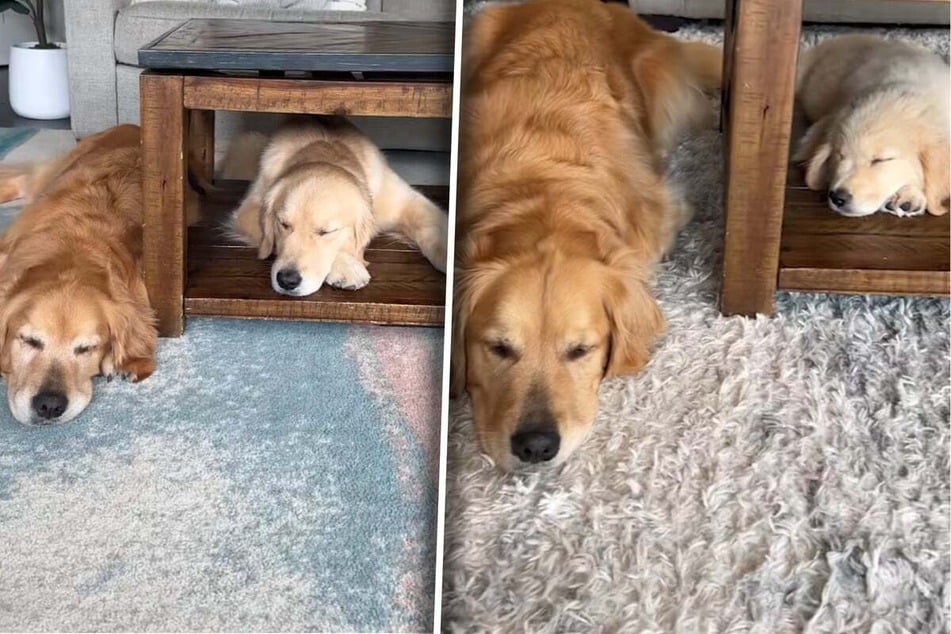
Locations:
760 475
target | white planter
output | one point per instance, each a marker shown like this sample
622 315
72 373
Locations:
39 81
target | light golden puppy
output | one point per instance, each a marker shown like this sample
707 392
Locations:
73 303
322 191
568 110
880 137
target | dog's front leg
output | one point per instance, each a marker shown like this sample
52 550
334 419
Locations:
348 272
427 226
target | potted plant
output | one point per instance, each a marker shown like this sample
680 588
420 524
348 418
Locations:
39 80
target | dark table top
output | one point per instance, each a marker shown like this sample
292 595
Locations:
259 45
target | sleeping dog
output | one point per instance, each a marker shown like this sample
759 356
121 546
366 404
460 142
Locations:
321 192
73 303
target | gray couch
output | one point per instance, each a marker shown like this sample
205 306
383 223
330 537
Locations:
104 37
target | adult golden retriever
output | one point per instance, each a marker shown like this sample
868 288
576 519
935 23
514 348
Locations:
322 191
73 303
880 137
569 108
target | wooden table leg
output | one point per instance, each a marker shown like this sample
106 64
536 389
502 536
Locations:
164 134
759 88
201 143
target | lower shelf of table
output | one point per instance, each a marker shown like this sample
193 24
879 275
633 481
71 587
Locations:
822 251
227 279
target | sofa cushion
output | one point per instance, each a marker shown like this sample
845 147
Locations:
140 23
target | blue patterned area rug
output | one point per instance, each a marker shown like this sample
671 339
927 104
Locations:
269 476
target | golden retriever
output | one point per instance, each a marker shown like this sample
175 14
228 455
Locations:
73 303
322 191
569 108
880 137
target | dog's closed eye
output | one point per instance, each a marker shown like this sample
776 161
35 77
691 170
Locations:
32 342
502 349
84 349
285 225
576 352
877 160
324 232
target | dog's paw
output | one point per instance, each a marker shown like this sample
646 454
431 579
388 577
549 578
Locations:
107 368
436 254
134 370
432 244
908 201
137 369
348 273
940 205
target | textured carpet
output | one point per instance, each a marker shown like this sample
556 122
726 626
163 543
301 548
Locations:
268 477
760 475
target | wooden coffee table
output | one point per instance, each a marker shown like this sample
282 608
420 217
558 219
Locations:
779 234
371 68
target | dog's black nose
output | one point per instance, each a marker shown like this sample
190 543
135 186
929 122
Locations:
840 197
535 446
288 279
50 405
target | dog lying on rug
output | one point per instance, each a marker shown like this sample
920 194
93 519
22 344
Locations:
569 108
321 192
73 303
880 137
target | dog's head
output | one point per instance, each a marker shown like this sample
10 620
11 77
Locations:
60 328
862 155
309 216
532 340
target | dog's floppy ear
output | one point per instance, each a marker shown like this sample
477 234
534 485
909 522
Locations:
635 319
10 273
365 228
936 166
814 151
467 289
8 308
267 221
131 323
462 303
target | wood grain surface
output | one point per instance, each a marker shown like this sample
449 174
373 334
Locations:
762 47
307 96
209 44
163 121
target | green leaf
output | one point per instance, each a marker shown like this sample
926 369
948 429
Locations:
15 6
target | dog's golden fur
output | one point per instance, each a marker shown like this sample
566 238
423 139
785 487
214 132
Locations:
73 302
569 109
880 137
321 192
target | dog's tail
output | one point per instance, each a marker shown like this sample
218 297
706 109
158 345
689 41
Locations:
243 156
240 163
704 65
22 181
676 79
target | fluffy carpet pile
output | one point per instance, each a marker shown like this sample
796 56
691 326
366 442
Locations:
760 475
269 476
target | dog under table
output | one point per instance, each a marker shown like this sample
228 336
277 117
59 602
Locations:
370 68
